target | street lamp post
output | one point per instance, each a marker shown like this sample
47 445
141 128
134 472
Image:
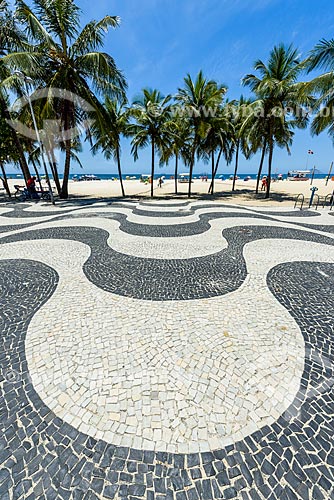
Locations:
28 80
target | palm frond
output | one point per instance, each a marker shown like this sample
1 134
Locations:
61 17
92 35
101 69
322 56
33 26
27 62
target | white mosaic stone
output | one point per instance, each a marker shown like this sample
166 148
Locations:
185 247
182 376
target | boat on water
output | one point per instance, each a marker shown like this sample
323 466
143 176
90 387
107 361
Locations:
299 175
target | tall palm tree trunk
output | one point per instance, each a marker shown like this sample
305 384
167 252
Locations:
118 156
270 161
260 168
22 161
236 165
52 162
212 171
4 180
153 165
64 189
68 111
176 171
216 168
191 171
54 170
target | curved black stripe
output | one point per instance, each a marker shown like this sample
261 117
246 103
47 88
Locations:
292 213
182 212
192 211
19 210
323 228
139 229
171 230
155 279
181 204
293 458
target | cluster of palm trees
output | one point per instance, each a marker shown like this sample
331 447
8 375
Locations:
46 44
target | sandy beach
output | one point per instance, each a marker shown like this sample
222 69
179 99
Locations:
283 192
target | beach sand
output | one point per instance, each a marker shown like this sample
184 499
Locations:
283 192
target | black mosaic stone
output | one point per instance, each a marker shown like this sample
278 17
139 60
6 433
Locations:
19 211
151 279
317 227
43 457
291 213
191 228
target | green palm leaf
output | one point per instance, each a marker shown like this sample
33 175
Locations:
92 35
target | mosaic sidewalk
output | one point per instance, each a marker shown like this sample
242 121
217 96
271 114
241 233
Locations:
166 350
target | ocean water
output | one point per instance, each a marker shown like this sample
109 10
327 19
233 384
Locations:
158 174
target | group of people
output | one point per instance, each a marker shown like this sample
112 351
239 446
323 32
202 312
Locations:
273 179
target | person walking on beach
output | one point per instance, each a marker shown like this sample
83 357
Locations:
264 184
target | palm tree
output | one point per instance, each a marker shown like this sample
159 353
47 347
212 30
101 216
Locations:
108 131
201 100
176 144
277 90
254 130
219 138
238 111
11 38
8 150
151 113
322 57
65 57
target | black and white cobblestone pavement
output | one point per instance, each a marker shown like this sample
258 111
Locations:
151 353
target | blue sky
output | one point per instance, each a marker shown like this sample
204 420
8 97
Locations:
159 41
